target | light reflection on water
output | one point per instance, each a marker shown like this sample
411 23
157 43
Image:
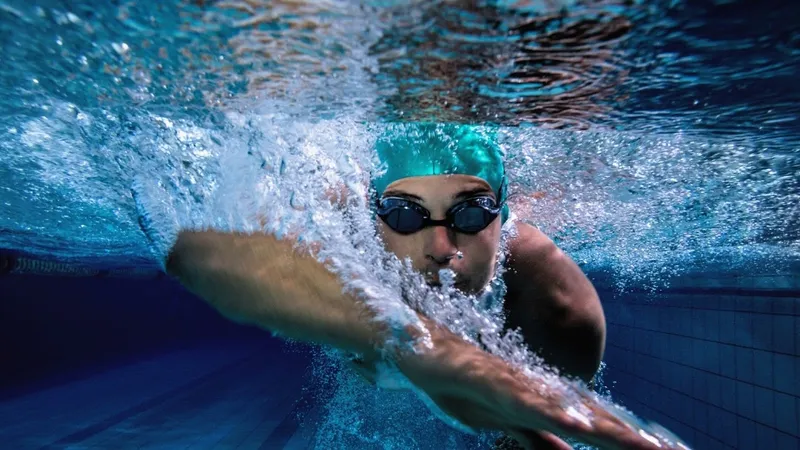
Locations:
85 84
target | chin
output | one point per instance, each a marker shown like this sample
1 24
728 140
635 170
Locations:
468 289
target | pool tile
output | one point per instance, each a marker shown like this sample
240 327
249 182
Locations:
698 324
765 436
743 303
762 304
726 303
746 433
685 380
665 321
712 321
783 334
727 360
784 375
715 424
796 374
681 349
714 392
786 442
712 302
728 389
764 405
700 386
645 338
711 362
744 364
675 406
783 305
660 346
763 368
684 321
701 440
727 326
729 423
699 351
659 375
762 331
687 350
743 324
785 410
715 444
745 400
700 416
797 332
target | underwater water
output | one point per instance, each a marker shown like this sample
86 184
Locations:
650 140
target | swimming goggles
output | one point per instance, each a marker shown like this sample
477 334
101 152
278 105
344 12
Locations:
468 217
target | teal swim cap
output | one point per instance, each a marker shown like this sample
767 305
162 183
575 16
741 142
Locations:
424 149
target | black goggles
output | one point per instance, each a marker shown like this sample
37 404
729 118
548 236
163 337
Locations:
468 217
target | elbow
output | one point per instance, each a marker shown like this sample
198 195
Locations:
174 262
192 258
179 256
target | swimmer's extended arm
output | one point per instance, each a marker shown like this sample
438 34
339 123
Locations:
553 303
263 281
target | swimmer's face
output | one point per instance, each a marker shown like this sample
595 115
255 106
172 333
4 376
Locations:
437 247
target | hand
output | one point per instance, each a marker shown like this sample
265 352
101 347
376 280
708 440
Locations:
366 368
484 392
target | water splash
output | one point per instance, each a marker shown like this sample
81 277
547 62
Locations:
651 207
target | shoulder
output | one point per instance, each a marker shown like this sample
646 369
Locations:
554 304
530 248
539 271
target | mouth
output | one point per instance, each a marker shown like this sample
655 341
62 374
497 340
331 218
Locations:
433 280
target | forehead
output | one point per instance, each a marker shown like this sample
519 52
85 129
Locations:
435 186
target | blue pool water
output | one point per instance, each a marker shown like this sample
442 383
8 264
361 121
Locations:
655 142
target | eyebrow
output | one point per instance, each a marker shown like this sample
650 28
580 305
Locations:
402 194
479 190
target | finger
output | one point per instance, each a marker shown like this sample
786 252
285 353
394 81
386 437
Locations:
538 440
543 440
600 427
609 431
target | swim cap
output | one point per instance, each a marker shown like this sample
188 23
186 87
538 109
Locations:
424 149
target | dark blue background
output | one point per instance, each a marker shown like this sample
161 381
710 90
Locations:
55 328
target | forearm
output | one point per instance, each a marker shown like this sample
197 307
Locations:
264 281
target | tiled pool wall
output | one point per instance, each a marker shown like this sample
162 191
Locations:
714 358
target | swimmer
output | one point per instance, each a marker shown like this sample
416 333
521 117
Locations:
442 204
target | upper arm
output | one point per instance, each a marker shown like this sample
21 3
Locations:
554 304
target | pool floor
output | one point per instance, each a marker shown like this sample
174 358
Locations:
213 396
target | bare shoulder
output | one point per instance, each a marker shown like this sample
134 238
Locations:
539 271
530 241
553 303
531 247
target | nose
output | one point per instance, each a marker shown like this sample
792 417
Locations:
440 245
